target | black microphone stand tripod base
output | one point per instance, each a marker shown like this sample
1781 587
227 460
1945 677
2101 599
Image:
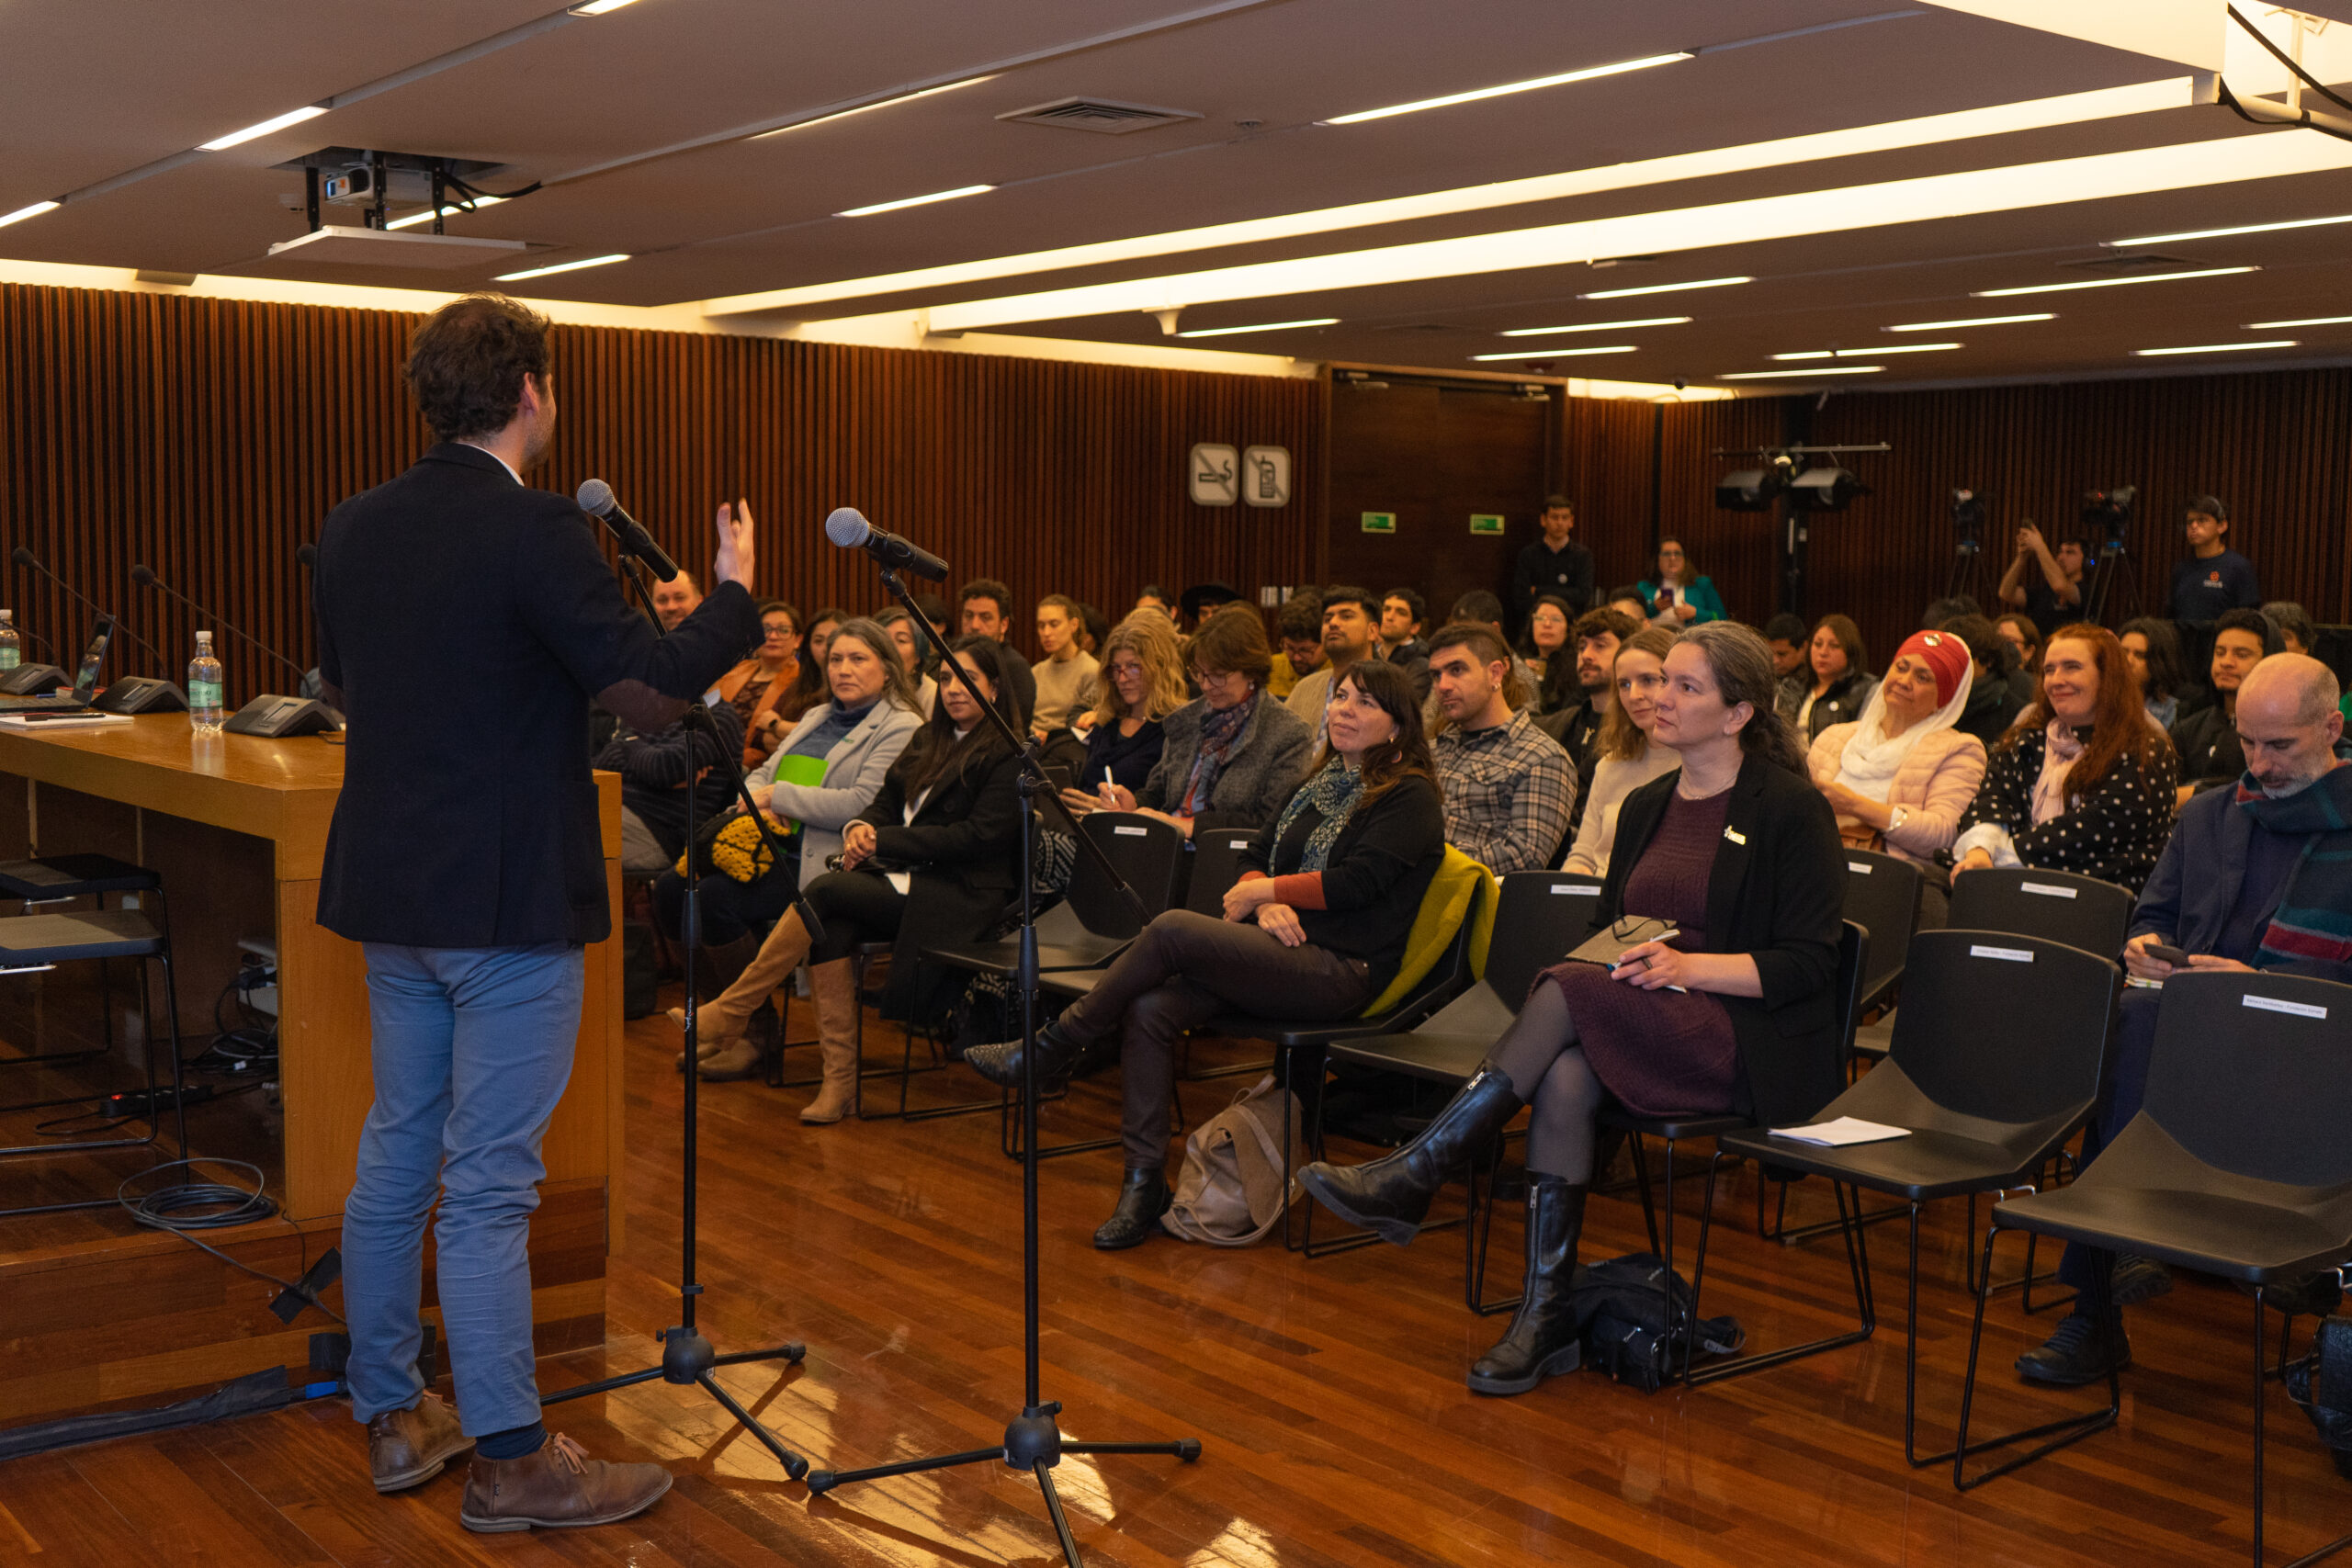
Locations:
687 1357
1032 1441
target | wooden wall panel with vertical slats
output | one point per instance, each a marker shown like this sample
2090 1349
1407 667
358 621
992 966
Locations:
207 438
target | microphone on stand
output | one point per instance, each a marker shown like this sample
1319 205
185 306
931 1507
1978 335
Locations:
596 499
147 579
308 555
25 558
847 527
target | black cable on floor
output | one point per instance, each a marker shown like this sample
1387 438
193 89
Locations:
209 1205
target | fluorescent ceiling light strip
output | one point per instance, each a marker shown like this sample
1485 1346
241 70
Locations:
598 7
2031 114
1262 327
2106 282
1872 353
35 210
2223 233
1598 327
413 219
1805 374
559 266
906 201
1971 321
2057 183
237 138
2250 326
1664 288
1450 99
877 103
1556 353
2217 348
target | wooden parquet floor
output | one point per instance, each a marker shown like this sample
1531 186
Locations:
1328 1395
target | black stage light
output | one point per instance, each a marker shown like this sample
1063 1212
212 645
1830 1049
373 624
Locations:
1827 488
1751 489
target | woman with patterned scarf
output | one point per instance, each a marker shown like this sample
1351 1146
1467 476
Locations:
1315 929
1230 759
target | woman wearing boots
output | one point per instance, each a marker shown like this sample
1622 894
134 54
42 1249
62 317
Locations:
1314 930
1740 854
849 744
931 861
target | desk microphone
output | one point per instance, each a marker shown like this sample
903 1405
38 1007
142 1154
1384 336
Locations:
25 558
147 579
596 499
847 527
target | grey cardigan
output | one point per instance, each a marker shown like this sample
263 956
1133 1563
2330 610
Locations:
854 769
1257 778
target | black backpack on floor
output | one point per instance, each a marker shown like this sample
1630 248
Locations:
1621 1317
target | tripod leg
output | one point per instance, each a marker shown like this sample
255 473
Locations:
602 1385
1186 1449
794 1466
823 1480
791 1353
1054 1505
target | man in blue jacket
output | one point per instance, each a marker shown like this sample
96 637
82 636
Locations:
2254 877
464 857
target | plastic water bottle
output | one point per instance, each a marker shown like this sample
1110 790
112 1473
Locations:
204 709
12 644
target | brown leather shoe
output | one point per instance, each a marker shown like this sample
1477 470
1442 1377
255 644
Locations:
407 1446
557 1486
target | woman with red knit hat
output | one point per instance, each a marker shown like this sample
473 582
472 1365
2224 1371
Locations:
1900 776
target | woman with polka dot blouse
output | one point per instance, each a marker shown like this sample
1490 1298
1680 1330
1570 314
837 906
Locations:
2082 782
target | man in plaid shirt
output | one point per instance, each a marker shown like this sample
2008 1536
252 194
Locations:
1508 788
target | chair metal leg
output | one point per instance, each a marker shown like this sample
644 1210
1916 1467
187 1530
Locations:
1780 1231
2062 1433
2024 1283
1858 1266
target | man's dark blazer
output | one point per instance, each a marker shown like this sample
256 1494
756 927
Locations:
464 623
1778 892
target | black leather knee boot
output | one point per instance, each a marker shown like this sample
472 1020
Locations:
1542 1339
1390 1196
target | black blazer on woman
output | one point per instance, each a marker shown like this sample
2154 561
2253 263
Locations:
964 848
1778 892
1379 870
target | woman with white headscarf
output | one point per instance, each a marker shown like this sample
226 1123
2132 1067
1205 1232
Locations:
1901 776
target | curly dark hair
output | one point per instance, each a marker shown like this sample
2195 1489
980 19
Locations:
467 362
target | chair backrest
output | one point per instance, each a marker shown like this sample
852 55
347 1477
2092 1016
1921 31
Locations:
2081 912
1217 867
1853 976
1449 968
1882 893
2253 1073
1542 917
1144 851
2005 1027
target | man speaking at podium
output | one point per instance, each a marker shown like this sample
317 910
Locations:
465 622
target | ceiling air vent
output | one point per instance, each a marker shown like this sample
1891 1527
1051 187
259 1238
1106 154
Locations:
2135 261
1099 115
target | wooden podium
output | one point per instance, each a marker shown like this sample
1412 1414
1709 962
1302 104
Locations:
237 827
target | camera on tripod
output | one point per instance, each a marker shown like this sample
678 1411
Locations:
1969 515
2108 513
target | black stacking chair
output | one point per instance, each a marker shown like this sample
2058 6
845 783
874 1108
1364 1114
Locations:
1095 923
1853 957
1984 1107
1217 867
2237 1164
61 879
2080 911
1541 916
1883 896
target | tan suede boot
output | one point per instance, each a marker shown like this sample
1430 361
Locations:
406 1447
725 1019
557 1486
715 968
833 987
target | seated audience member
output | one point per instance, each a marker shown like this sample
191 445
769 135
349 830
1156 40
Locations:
2256 876
916 653
1143 683
986 607
808 688
1626 759
1576 726
1299 628
2083 782
1204 599
2154 648
1993 705
827 771
1404 616
2044 584
1350 631
1792 663
1941 611
1154 597
2025 640
1736 1015
1312 932
1507 786
1481 608
1629 602
2214 578
1547 636
1901 775
1554 564
934 610
931 860
1066 678
1230 757
2296 633
657 771
755 686
675 600
2207 744
1842 683
1678 596
1093 630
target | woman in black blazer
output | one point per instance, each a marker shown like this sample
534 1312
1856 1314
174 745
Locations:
932 862
1314 930
1733 1013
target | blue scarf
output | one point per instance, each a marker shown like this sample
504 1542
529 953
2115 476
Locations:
1333 792
2313 922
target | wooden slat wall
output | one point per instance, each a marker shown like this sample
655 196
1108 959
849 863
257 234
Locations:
207 438
1739 550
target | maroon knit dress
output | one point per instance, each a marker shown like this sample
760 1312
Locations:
1661 1052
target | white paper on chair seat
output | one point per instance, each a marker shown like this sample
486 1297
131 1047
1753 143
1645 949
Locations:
1843 1131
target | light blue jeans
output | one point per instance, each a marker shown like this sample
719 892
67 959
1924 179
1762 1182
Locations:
472 1047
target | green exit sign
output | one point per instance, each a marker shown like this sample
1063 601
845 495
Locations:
1486 523
1380 522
